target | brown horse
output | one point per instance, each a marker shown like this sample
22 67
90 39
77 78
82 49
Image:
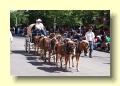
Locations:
65 50
36 41
40 45
60 47
81 46
51 35
49 43
59 37
51 50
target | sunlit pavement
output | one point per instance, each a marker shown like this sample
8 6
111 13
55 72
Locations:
24 64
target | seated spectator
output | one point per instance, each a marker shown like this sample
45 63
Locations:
65 35
105 45
108 43
103 37
97 42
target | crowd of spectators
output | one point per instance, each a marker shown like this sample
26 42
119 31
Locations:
101 40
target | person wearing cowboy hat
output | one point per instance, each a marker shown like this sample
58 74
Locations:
39 27
90 37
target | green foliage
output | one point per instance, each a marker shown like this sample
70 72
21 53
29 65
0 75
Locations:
63 17
21 16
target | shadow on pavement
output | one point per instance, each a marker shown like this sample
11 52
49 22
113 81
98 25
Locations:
53 69
31 58
36 63
46 66
101 56
18 35
23 52
40 62
106 63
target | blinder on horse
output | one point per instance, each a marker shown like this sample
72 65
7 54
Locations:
69 48
85 47
52 43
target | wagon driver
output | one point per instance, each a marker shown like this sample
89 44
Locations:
39 27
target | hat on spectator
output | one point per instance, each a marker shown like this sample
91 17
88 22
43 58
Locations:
39 20
98 36
91 28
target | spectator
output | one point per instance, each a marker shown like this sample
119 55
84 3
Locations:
90 37
65 35
11 37
97 42
105 45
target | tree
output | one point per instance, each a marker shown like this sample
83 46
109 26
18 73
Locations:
21 16
63 17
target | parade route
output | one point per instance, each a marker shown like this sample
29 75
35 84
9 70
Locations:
24 64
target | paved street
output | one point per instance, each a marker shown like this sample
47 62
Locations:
24 64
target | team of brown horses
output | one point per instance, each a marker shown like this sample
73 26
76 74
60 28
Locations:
60 48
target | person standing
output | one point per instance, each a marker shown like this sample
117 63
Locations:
90 37
11 37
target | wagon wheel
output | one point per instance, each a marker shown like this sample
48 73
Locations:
26 45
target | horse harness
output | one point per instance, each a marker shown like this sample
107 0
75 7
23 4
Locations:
84 47
68 48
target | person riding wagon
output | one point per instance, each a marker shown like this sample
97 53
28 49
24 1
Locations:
39 28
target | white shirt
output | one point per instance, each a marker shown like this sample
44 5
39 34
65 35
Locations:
11 37
39 26
89 36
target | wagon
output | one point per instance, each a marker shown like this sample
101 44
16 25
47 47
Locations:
29 41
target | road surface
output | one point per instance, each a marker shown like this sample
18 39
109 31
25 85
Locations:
24 64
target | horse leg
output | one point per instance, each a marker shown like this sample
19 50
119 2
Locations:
56 59
53 56
40 53
38 49
35 49
45 54
72 61
69 61
61 61
77 60
66 61
49 56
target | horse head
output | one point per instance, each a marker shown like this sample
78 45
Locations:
59 38
52 35
83 46
86 47
66 40
53 42
71 47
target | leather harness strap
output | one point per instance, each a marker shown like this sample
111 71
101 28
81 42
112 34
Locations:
80 50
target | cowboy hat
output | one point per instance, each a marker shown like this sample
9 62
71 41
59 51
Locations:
39 20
